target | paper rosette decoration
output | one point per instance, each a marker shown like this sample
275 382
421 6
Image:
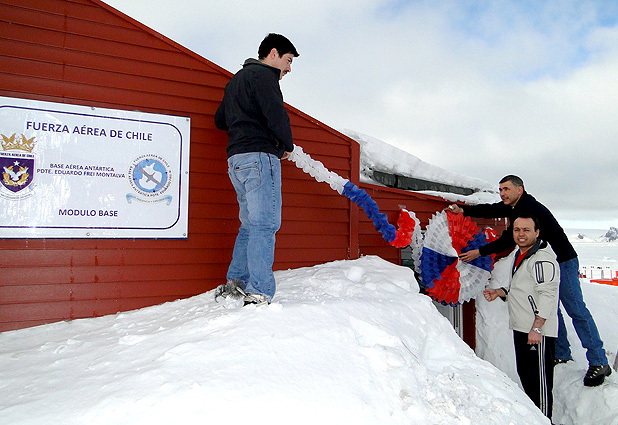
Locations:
408 229
416 242
446 278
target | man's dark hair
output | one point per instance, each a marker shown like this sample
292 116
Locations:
537 225
517 181
279 42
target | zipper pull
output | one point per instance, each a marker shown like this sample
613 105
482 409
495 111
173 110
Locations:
533 305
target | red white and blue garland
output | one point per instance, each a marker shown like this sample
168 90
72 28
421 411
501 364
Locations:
446 278
399 237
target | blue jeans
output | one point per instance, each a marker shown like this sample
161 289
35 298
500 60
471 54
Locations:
573 303
256 177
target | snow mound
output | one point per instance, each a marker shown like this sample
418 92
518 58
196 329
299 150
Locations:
344 342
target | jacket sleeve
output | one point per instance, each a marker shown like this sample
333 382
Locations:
552 232
498 210
220 121
270 101
546 274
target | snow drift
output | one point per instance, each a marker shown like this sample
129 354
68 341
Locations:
344 342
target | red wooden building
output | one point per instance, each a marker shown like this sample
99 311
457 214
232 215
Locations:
84 52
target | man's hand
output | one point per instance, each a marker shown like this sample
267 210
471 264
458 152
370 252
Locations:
286 155
470 255
534 337
454 208
491 294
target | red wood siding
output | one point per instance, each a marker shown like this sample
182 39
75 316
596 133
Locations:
85 53
315 219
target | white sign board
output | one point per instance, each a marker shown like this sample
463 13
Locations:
70 171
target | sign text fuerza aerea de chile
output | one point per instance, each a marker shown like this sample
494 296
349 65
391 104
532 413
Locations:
88 131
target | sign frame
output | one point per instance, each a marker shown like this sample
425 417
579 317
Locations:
72 171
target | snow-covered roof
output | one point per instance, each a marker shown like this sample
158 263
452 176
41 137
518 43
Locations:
378 156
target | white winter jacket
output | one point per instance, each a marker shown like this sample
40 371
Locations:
533 290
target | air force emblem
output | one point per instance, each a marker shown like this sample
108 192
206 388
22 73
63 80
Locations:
16 164
17 173
150 176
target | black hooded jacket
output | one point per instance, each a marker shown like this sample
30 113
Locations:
550 229
252 112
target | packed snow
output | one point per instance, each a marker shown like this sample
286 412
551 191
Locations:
344 342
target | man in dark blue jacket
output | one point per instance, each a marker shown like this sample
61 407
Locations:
515 200
260 135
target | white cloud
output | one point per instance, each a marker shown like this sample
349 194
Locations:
483 90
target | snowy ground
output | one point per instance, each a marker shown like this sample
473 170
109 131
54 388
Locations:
344 342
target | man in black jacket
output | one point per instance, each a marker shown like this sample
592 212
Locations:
515 200
260 135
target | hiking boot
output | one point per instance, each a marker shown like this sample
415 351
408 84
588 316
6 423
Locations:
232 289
561 361
596 375
255 299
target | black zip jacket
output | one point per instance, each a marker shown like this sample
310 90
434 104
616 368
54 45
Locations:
550 229
252 112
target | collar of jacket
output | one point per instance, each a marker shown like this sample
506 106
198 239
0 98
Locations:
519 201
538 245
252 61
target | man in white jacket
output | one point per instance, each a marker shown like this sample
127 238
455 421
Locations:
532 299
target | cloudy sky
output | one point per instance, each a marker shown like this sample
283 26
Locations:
481 88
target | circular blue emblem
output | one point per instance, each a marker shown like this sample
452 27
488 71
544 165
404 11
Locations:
150 175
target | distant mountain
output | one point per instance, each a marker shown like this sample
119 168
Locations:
610 236
578 236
